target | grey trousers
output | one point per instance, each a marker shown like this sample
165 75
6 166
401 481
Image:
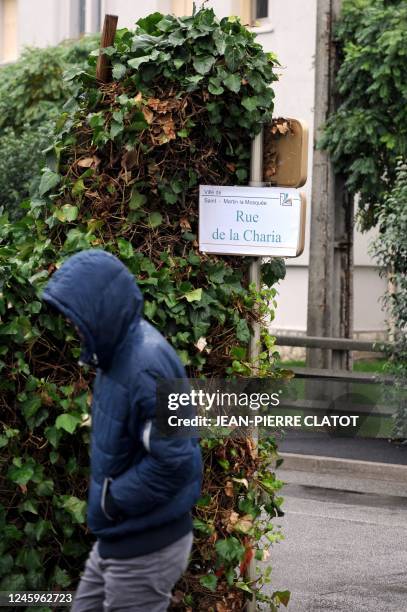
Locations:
132 585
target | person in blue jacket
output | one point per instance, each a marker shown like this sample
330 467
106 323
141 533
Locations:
142 485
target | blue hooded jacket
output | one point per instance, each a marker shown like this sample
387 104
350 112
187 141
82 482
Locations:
142 486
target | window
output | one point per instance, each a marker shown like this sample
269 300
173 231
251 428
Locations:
8 22
82 16
252 11
85 17
262 9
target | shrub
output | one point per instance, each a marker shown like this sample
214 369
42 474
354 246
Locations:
32 95
368 132
186 98
390 250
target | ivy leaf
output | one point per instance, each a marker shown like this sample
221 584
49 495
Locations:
282 597
137 61
125 248
230 549
203 527
193 81
204 501
61 577
53 435
250 103
233 57
165 24
183 133
10 532
76 508
45 488
149 23
220 41
20 475
29 505
215 87
224 463
242 331
241 174
203 64
118 72
178 63
67 212
238 352
115 129
155 219
244 587
185 358
139 122
137 199
29 558
67 422
39 529
6 564
150 308
176 38
31 406
256 80
49 180
232 82
193 296
209 582
272 271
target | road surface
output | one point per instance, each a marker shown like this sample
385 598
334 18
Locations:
343 551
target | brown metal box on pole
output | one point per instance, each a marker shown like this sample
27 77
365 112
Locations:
285 153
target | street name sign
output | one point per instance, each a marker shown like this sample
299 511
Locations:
258 221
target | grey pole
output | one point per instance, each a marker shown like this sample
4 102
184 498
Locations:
256 180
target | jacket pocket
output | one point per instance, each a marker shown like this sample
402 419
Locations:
105 487
97 518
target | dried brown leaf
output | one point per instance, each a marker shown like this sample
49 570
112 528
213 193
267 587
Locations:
229 488
148 115
89 162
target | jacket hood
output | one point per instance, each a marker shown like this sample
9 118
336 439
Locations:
99 295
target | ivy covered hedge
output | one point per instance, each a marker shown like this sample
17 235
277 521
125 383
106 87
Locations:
368 132
186 98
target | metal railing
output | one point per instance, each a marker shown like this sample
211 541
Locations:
345 344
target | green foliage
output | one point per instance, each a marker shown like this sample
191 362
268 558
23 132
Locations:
20 163
123 175
32 90
368 132
390 250
32 95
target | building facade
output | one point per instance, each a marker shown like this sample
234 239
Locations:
286 28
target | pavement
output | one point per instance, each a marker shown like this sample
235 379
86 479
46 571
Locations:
345 525
343 551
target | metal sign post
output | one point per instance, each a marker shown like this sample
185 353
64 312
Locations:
256 180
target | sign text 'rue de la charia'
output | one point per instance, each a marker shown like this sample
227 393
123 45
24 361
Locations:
259 221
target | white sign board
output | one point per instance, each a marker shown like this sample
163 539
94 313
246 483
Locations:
260 221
